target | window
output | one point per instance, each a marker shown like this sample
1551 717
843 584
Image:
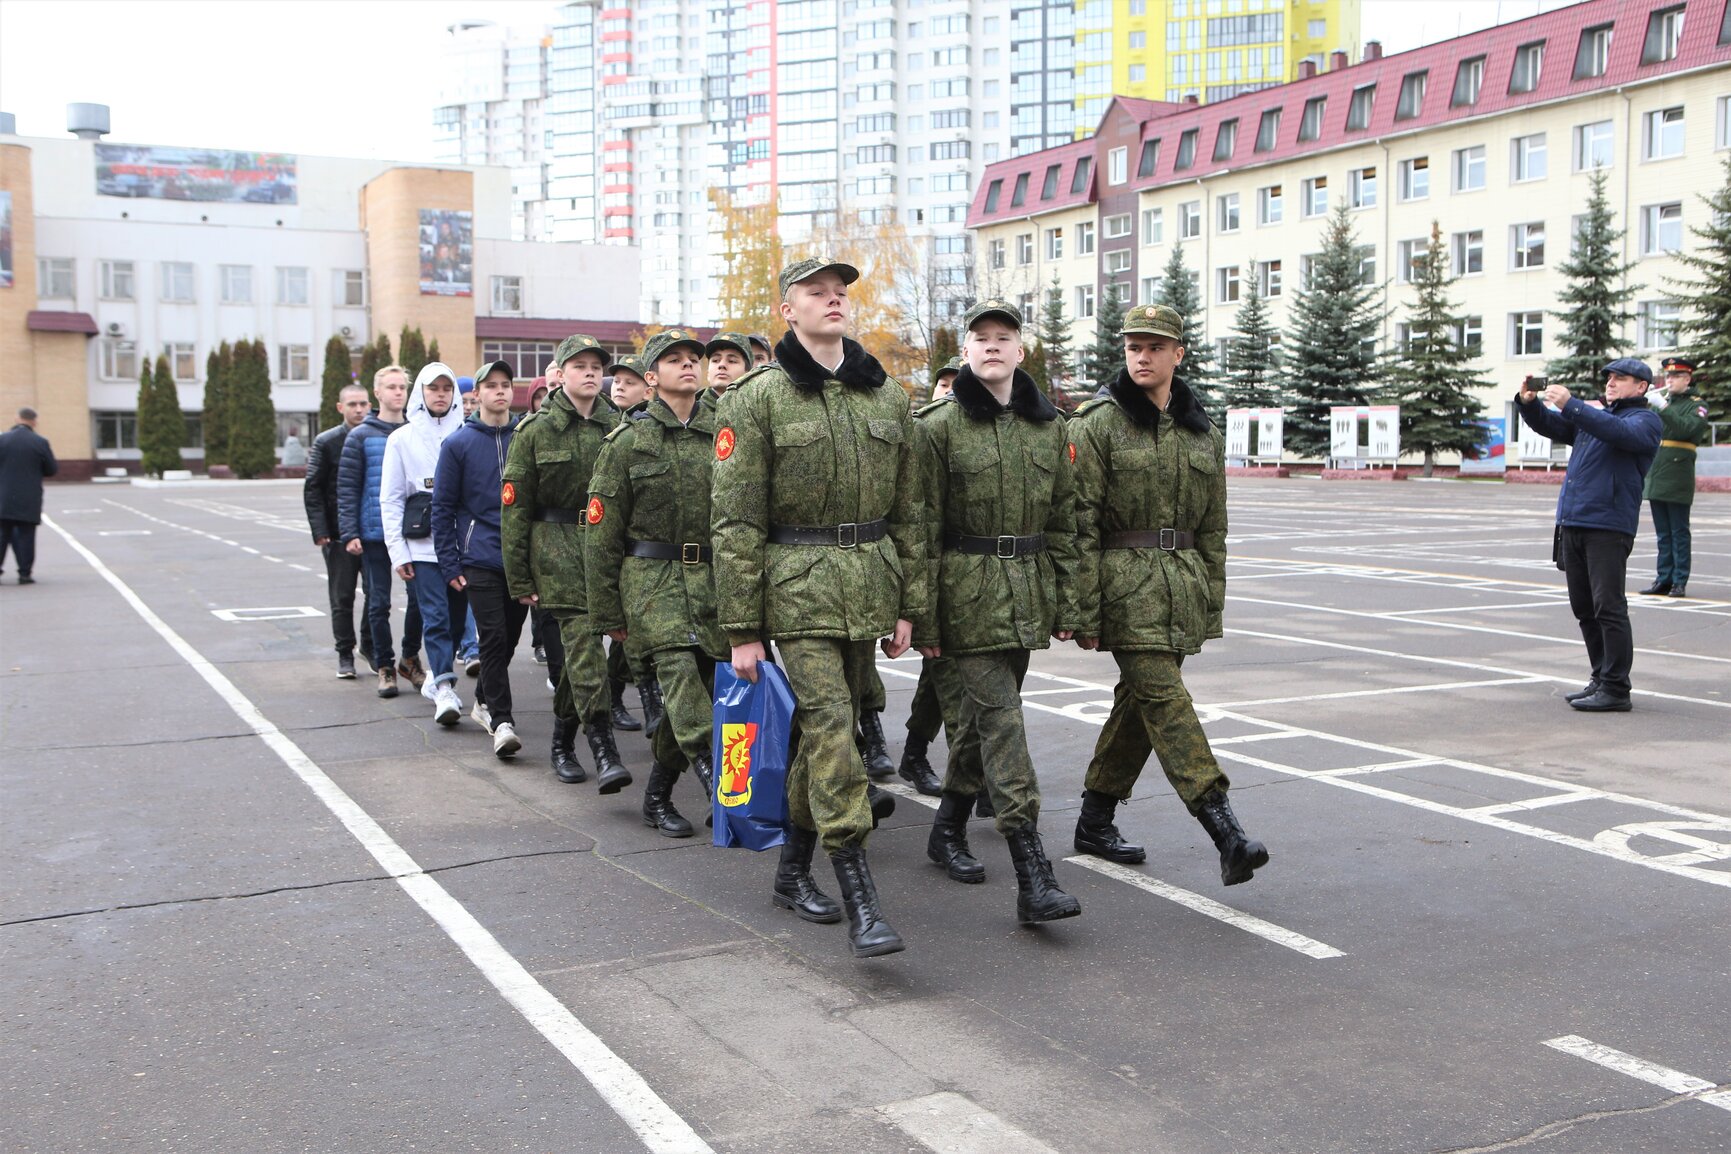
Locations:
1361 188
1529 158
1470 335
1469 78
1268 131
118 359
1025 304
876 154
117 280
1084 301
1079 182
1656 325
1049 186
54 279
1470 168
1268 204
1358 112
1268 278
1664 34
1226 213
1663 132
1315 202
292 362
1414 178
1117 226
951 150
1593 146
183 358
1117 167
1084 238
1025 248
177 281
1526 334
116 430
1118 262
1019 195
1225 139
1226 284
995 254
525 357
1469 252
1310 127
352 288
1725 27
507 294
1190 220
1593 55
291 286
1150 158
1366 264
1529 60
1722 127
1411 96
236 284
1153 225
1528 245
1054 244
1186 150
1661 228
1409 255
993 191
1307 271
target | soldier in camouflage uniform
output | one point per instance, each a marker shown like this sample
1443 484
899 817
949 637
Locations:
727 357
1151 533
629 390
648 557
547 493
818 548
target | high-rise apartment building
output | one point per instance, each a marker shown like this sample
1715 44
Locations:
492 97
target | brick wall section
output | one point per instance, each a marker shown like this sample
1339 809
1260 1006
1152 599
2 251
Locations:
390 208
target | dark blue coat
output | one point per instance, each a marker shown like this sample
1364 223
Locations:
25 459
466 488
1614 448
358 480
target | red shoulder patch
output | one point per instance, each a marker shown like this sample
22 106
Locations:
724 443
1072 452
508 495
596 511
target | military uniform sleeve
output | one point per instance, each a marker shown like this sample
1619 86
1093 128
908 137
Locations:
1061 529
928 449
1090 483
739 519
907 521
518 506
1211 540
1683 421
604 539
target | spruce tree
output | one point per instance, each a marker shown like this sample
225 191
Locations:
1105 357
1053 336
433 352
1595 312
1251 372
1704 303
217 367
161 426
412 351
1180 291
373 358
339 375
252 429
1034 364
1331 340
944 346
1431 380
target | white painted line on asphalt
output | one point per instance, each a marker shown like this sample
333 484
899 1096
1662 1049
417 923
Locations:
951 1124
123 532
250 549
1537 602
620 1086
1377 767
1642 1070
1542 802
1376 692
1243 738
267 613
908 792
1208 907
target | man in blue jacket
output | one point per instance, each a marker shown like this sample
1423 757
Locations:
1598 513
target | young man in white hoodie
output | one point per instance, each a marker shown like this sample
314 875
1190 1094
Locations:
406 508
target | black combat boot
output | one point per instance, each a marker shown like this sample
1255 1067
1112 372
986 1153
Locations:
948 843
565 763
611 776
1095 833
622 718
916 768
794 890
1240 857
658 811
872 746
883 804
704 771
1038 898
867 932
649 693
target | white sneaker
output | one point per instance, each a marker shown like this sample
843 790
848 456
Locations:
429 690
483 716
447 706
505 741
551 688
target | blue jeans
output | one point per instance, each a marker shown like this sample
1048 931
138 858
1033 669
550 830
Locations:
468 647
376 564
440 606
1671 526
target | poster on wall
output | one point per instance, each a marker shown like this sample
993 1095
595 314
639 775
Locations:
1237 434
1491 456
447 252
5 240
202 174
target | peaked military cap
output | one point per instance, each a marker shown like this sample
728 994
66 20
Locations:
667 339
578 343
631 364
812 265
738 342
953 365
1678 365
993 307
1154 321
1632 367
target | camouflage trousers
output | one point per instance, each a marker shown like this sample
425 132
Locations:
826 784
687 678
873 698
582 694
1152 712
989 746
937 700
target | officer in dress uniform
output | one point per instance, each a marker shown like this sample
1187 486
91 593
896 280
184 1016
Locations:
1670 485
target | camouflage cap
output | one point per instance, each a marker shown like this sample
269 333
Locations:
1154 321
632 363
812 265
993 307
666 339
738 342
578 343
953 365
762 342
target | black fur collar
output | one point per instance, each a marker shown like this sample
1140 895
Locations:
858 367
1186 412
1026 399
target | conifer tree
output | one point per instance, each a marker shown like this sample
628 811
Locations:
412 351
1431 379
339 374
373 358
1105 356
1595 310
1704 302
1330 349
1053 336
252 416
217 367
1179 290
1251 372
945 345
433 352
161 425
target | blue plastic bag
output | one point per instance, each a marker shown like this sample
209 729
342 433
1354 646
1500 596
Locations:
753 723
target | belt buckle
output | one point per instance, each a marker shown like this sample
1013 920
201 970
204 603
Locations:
847 536
1007 547
691 553
1168 540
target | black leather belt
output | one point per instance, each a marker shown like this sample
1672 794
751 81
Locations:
689 553
842 536
1006 548
1167 539
563 516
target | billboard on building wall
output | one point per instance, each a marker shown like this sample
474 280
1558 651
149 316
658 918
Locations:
5 240
203 174
447 252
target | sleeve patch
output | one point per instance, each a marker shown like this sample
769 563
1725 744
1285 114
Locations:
724 443
596 511
1072 452
508 495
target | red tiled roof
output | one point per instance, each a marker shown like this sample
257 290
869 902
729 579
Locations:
1559 30
551 329
52 321
1033 165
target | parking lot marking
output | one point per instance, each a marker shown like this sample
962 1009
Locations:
1642 1070
1208 907
951 1124
621 1087
1549 799
1392 689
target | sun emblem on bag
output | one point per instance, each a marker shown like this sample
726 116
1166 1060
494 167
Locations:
734 787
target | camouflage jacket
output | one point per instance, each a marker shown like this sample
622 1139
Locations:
651 483
1138 468
548 467
799 447
994 471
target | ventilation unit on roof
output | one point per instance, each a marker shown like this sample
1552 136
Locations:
87 121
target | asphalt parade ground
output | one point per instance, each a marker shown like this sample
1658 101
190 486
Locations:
248 907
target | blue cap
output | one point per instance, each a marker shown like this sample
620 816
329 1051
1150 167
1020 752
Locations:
465 384
1631 367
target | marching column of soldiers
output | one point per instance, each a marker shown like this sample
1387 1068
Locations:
787 504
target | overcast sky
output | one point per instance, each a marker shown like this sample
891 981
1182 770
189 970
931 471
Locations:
347 77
